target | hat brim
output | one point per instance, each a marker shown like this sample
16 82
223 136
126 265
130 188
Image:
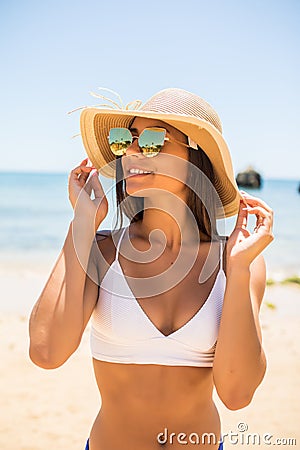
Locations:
95 125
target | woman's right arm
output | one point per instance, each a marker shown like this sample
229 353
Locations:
65 305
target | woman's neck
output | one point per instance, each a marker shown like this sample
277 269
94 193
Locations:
173 221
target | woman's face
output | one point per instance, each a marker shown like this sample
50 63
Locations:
168 168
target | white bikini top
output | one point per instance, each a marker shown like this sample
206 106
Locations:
121 332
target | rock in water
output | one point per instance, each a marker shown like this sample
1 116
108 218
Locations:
249 178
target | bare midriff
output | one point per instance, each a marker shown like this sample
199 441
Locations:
148 406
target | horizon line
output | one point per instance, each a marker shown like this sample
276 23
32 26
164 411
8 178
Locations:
50 172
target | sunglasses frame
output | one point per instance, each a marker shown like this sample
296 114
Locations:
141 148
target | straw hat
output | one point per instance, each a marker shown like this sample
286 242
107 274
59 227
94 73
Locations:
181 109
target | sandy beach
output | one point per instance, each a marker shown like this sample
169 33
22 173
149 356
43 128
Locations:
47 409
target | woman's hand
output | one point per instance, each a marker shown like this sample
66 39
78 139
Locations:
242 246
80 187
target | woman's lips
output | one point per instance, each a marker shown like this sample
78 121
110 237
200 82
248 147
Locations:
134 171
130 175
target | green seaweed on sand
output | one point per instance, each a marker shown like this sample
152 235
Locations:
294 279
270 305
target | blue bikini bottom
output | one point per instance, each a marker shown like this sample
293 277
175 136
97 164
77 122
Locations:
87 446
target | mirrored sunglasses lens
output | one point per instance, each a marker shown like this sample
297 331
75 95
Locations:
151 141
119 140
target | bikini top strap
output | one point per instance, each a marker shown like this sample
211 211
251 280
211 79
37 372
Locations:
119 243
223 242
221 253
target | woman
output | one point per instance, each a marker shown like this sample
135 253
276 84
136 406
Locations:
175 308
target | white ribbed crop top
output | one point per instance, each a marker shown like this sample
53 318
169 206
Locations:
121 332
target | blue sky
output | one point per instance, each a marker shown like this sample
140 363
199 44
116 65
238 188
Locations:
241 56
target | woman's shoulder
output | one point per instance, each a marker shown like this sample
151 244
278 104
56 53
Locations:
107 242
103 235
103 252
103 240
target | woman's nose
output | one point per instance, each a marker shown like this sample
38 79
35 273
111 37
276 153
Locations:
133 148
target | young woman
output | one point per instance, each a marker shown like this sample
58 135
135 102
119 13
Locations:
174 305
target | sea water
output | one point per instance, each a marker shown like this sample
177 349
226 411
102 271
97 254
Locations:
35 213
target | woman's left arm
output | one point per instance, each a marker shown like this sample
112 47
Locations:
240 363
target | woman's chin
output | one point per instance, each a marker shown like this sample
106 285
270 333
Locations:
137 192
138 186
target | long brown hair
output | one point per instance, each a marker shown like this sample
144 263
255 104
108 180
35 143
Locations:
201 200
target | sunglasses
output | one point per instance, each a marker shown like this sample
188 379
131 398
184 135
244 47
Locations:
150 141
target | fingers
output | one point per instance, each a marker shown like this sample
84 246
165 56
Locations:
88 186
242 218
263 217
257 210
82 166
255 200
81 173
254 205
263 212
97 187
